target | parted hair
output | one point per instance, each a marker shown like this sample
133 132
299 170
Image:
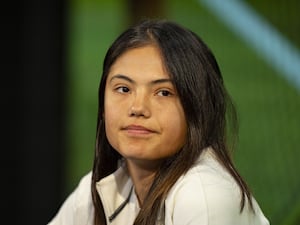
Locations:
210 114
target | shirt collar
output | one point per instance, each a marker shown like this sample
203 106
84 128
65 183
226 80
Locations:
115 189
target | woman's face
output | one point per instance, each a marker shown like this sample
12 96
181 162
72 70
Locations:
144 119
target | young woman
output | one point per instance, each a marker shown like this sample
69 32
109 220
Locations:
162 153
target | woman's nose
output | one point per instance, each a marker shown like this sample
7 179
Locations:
140 105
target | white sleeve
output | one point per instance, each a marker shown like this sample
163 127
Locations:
213 202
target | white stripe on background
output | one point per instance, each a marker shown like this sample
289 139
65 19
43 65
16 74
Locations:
265 39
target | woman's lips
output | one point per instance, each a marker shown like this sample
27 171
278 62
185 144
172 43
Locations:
138 130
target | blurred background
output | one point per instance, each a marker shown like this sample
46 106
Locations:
55 51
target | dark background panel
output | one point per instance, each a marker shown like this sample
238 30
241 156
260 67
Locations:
32 91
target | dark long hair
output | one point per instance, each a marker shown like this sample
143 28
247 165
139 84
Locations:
207 106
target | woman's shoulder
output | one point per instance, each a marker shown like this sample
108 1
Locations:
207 194
84 185
208 173
206 183
83 194
78 207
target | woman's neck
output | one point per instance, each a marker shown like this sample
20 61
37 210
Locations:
142 176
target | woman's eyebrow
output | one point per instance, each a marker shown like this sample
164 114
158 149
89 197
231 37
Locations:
159 81
123 77
153 82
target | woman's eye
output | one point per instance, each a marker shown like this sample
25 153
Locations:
164 93
122 89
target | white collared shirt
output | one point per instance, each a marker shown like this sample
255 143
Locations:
205 195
